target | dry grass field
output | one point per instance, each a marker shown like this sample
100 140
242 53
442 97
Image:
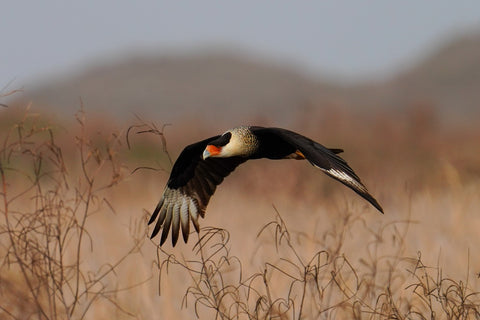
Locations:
280 239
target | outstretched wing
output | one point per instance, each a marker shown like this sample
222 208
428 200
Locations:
191 184
326 160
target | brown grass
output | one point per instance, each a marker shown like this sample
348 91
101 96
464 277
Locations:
72 231
47 205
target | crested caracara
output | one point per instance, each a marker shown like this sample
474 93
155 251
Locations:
203 165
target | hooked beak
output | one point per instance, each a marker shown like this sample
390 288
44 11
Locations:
211 151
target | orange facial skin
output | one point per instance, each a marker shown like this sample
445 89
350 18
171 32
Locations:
213 150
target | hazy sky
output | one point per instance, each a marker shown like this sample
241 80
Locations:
348 39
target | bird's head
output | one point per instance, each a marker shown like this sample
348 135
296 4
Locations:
216 147
238 141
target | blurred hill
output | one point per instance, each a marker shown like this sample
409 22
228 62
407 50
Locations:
233 87
199 84
448 78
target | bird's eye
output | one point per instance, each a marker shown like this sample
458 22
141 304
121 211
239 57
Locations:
224 139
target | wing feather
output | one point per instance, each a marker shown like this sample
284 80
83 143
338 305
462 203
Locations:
184 219
168 221
326 160
155 212
193 211
175 221
163 213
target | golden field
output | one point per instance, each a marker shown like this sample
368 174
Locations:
294 244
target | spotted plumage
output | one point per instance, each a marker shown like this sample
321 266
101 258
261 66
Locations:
202 166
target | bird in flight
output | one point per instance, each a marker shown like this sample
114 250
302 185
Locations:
203 165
